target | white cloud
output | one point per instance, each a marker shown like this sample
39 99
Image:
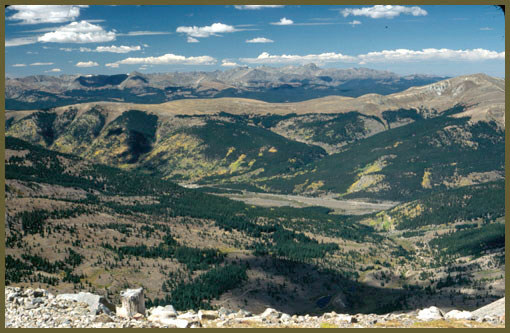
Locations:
206 31
388 11
192 40
486 29
354 23
40 30
226 63
20 41
430 54
284 58
260 40
53 70
41 64
145 33
386 56
78 32
31 14
110 49
167 59
87 64
283 21
117 49
256 7
19 65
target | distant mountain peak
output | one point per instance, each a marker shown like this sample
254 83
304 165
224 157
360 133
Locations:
312 66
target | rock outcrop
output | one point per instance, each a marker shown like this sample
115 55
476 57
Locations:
133 302
494 309
40 309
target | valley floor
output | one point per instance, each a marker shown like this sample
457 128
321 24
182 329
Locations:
339 206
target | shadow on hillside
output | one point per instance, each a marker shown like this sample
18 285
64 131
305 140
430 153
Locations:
298 288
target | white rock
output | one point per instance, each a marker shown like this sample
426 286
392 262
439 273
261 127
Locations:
163 312
431 313
190 316
270 313
456 314
179 323
344 318
285 317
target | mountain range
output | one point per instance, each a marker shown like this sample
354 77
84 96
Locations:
271 84
381 144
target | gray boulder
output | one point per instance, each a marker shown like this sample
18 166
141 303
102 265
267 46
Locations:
97 303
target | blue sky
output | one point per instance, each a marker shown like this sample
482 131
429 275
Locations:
440 40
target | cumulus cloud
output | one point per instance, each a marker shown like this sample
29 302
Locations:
354 23
385 56
283 21
265 57
259 40
227 63
192 40
206 31
41 64
19 65
388 11
78 32
20 41
87 64
430 54
54 70
256 7
31 14
167 59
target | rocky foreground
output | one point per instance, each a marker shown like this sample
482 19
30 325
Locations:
38 308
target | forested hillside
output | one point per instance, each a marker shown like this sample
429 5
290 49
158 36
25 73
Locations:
72 224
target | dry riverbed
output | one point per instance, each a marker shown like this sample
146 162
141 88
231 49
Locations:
347 207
